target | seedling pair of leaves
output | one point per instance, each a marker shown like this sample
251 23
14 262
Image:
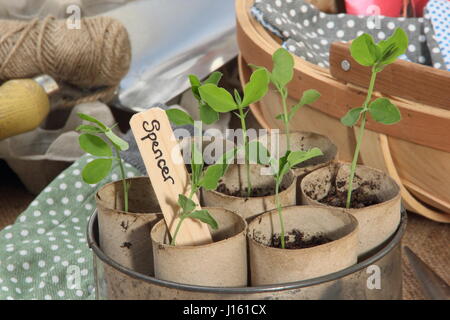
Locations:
90 142
207 114
200 178
208 178
281 75
377 56
220 100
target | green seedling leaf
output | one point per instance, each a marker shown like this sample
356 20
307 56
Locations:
207 114
86 117
364 50
237 97
179 117
121 144
96 170
217 98
94 145
88 129
280 165
211 176
185 203
384 111
393 47
214 78
195 84
309 97
297 157
283 68
257 87
280 116
352 117
283 165
204 216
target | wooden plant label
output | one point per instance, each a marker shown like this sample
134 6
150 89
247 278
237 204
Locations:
165 167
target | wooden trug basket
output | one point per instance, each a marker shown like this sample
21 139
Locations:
415 152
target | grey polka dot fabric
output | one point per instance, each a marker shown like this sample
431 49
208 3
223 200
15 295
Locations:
44 255
308 33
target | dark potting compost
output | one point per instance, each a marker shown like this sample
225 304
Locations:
359 199
256 191
297 240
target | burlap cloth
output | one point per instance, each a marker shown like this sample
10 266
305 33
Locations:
430 241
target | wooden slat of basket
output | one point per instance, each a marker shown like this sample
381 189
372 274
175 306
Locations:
377 152
412 81
409 200
421 124
426 197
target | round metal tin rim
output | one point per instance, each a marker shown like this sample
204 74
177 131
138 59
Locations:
394 241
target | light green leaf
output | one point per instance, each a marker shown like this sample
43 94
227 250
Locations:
352 117
297 157
283 67
393 47
212 175
185 203
179 117
96 170
237 96
92 119
204 216
384 111
214 78
207 114
280 116
217 98
364 50
94 145
121 144
88 129
256 88
309 97
283 165
195 84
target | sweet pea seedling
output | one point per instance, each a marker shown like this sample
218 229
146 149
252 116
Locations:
98 169
375 55
281 75
221 100
208 178
281 167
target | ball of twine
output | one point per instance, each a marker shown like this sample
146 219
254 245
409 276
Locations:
89 61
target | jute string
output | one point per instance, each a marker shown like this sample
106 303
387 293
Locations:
88 62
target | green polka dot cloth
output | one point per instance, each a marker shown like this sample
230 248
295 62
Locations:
45 255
